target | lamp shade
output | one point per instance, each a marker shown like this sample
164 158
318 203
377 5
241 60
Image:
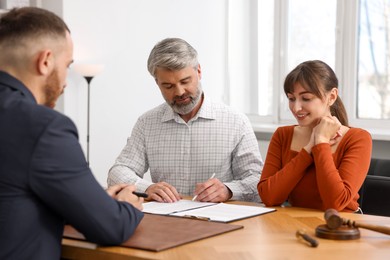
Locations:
88 70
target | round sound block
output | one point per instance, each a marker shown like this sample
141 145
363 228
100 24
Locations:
341 233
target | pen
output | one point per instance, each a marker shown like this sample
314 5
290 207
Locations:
140 194
212 176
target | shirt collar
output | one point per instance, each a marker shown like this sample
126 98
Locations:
12 82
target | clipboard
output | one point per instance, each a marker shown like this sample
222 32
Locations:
158 232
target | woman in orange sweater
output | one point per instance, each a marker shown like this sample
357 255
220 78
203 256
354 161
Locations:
320 163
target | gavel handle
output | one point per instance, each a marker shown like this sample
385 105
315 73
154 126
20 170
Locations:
380 229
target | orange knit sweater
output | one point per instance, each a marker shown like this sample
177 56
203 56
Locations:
322 180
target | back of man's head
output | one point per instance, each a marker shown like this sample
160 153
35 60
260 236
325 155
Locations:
23 30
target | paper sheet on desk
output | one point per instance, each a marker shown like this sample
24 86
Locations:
169 208
223 212
220 212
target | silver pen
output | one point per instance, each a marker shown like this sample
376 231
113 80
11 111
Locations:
212 176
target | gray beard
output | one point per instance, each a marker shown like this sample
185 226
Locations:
185 109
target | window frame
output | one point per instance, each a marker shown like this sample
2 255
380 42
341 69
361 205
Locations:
346 69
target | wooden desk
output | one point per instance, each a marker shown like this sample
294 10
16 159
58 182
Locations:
269 236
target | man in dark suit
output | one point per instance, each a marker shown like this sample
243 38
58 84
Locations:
45 180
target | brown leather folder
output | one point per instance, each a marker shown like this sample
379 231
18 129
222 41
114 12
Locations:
157 232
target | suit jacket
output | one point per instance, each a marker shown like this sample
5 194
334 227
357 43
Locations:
45 181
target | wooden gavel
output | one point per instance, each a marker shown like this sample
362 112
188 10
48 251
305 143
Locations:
334 221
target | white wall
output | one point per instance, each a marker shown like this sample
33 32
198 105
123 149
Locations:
120 34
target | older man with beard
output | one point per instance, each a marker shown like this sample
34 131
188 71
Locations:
188 139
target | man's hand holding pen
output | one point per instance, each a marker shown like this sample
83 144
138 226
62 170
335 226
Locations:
125 192
212 190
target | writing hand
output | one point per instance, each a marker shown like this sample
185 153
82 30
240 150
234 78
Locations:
212 190
163 192
124 192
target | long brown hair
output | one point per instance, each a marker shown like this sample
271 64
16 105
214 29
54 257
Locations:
317 77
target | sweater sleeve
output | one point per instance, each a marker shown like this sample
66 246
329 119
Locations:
278 179
340 179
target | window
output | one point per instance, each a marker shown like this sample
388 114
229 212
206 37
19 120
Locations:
353 37
310 36
374 60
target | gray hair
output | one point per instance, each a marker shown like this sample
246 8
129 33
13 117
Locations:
172 54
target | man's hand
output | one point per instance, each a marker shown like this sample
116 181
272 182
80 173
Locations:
212 190
163 192
124 192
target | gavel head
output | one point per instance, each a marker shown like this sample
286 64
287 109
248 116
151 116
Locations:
333 219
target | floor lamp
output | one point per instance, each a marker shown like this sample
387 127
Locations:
88 71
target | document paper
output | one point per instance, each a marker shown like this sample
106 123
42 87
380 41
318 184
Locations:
169 208
219 212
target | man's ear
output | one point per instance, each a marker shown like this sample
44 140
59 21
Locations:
45 62
199 72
